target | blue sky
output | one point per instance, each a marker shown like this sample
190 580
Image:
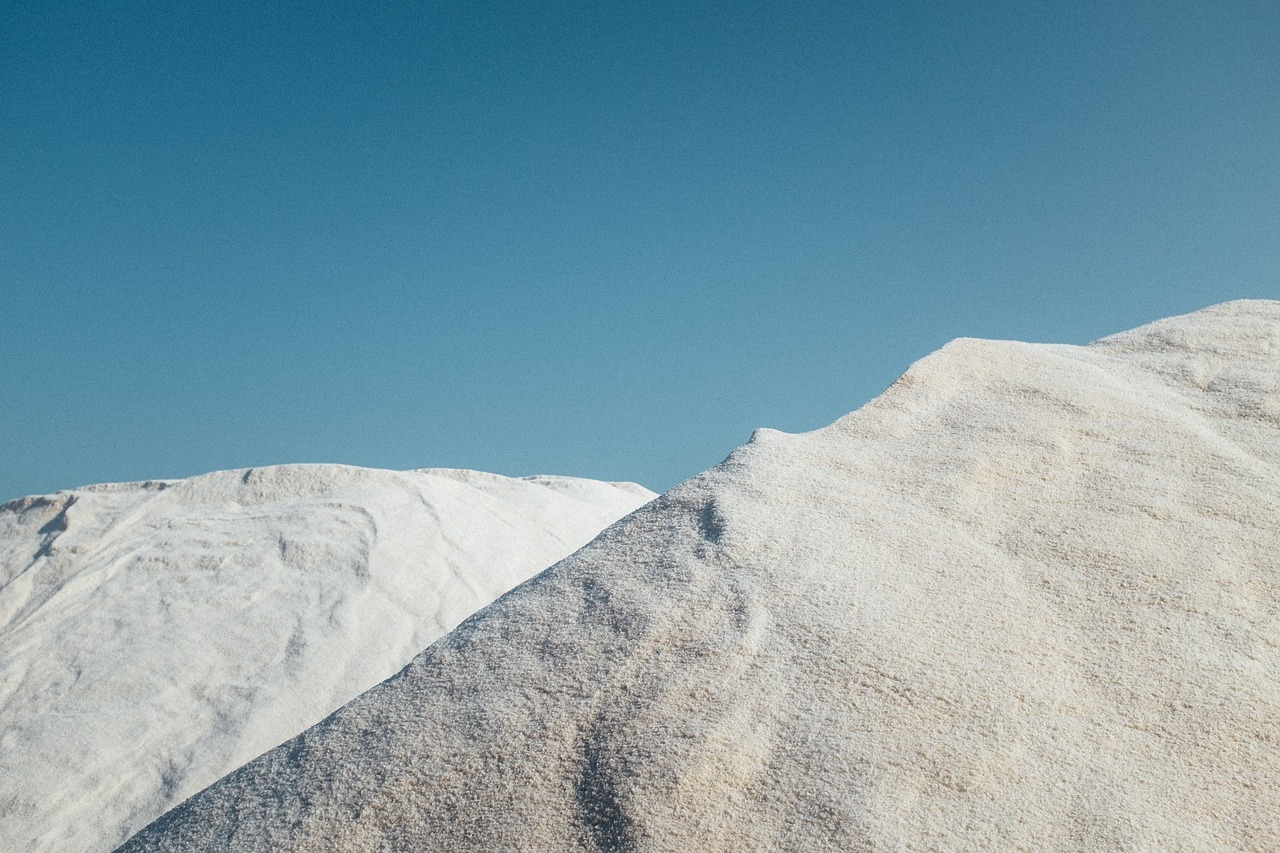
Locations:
597 239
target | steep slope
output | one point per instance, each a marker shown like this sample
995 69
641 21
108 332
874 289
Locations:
154 636
1027 599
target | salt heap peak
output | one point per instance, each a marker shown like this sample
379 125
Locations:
1026 599
155 636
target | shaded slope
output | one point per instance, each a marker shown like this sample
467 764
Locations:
154 636
1029 598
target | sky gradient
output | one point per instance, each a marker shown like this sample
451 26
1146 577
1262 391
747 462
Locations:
597 239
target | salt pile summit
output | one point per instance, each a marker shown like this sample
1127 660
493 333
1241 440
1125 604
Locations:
1028 598
155 636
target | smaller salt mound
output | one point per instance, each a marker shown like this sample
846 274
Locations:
154 636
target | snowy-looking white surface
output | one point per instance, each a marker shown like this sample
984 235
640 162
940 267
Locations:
1027 599
154 636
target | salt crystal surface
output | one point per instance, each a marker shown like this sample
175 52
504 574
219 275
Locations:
1027 599
155 636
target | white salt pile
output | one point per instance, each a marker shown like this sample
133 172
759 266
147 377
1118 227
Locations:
1028 599
155 636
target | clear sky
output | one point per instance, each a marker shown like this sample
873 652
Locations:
595 238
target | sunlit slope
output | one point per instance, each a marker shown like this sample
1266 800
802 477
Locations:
1026 599
154 636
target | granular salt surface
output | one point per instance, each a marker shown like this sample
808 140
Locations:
1027 599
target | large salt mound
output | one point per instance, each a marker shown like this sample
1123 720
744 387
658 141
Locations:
1028 599
154 636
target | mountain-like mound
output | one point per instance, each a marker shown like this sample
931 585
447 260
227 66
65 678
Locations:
1027 599
155 636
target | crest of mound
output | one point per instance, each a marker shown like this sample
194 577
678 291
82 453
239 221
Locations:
154 636
1026 599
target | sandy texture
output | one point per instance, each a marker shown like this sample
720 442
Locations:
155 636
1027 599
